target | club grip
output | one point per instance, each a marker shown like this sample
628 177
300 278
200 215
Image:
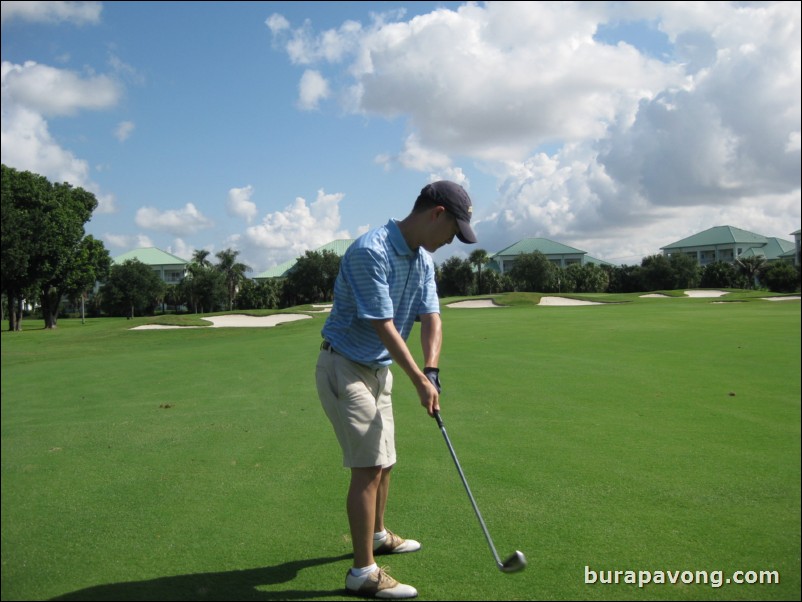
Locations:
437 417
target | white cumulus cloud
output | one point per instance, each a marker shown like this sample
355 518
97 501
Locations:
179 222
239 203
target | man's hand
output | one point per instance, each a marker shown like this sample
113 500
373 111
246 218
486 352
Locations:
433 374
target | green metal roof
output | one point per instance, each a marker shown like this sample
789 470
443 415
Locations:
596 261
720 235
777 247
339 247
544 245
151 256
277 271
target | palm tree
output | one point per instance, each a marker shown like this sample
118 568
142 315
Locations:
751 267
233 271
479 258
199 258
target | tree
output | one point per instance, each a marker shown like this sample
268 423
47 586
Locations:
656 273
91 264
259 294
719 274
623 278
533 272
782 277
132 288
588 278
456 278
19 201
203 288
750 268
42 229
686 271
493 282
60 244
199 257
233 273
311 279
479 259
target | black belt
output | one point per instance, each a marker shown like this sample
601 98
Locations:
326 346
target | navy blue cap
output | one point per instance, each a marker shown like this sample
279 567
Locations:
456 201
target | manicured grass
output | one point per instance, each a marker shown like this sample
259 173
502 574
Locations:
655 434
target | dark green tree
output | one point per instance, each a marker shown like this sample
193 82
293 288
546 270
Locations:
687 273
91 265
60 244
456 278
20 200
656 273
533 272
493 282
233 273
587 278
200 257
718 274
750 268
132 287
311 279
203 289
479 259
623 278
42 230
255 294
781 277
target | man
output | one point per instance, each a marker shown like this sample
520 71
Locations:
386 283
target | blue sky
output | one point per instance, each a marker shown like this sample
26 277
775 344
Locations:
273 128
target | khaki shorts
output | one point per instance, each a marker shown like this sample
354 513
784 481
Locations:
356 399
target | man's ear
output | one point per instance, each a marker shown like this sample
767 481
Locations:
438 211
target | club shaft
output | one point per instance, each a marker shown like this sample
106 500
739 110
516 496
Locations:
467 489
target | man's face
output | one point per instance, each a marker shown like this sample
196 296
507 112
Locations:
443 229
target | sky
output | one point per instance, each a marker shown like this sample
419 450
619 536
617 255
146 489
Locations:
273 128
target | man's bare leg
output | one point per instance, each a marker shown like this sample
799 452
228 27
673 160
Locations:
362 502
381 499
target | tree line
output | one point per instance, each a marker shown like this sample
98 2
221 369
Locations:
47 258
534 272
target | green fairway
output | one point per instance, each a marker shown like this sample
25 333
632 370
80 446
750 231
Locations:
640 435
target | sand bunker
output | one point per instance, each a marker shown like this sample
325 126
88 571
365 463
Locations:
705 293
553 301
562 301
472 303
235 321
688 294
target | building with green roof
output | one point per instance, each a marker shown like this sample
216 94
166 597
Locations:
170 268
339 247
726 243
794 255
559 254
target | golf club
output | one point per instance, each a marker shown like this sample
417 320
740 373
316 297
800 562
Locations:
514 563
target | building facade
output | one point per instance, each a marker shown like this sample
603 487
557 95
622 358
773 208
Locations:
727 244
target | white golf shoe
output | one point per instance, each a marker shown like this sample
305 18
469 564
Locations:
393 544
378 584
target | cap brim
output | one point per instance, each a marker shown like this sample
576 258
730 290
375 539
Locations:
466 233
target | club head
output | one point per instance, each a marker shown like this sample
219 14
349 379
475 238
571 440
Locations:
513 564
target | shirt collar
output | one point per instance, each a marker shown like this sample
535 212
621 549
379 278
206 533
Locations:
397 239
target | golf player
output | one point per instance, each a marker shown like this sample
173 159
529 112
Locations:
385 284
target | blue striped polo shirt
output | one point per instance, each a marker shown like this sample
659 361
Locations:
380 277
